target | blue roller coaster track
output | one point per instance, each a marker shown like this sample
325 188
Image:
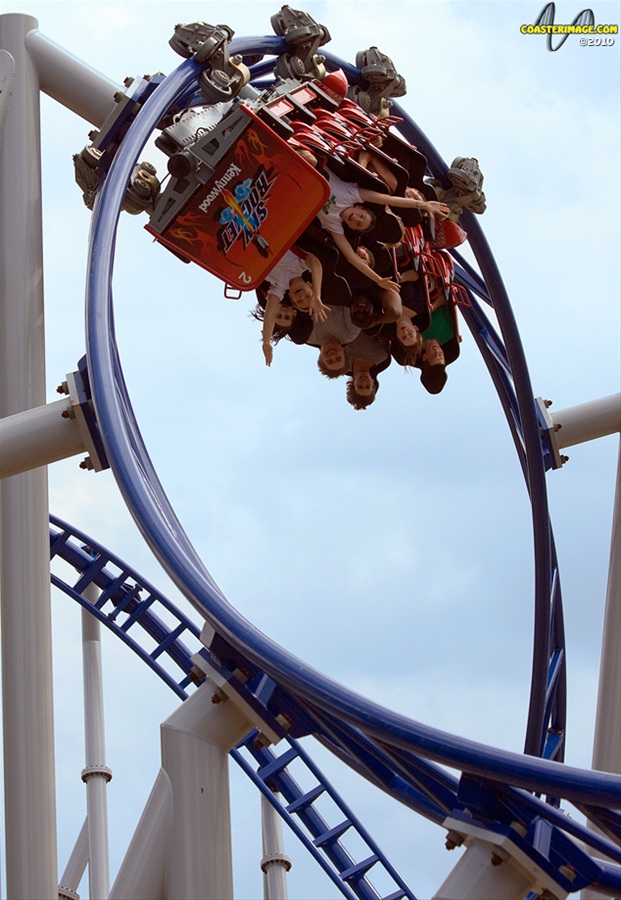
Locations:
404 757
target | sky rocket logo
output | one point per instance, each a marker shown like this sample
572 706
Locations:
245 212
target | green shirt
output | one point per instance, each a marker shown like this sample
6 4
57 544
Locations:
442 326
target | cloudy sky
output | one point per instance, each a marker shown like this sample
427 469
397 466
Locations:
389 548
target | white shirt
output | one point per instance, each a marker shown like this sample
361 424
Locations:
290 266
342 195
338 326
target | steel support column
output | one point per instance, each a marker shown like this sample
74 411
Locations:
275 864
96 774
607 743
30 810
182 845
607 739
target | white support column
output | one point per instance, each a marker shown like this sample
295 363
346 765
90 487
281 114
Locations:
37 437
72 82
30 810
475 878
275 864
607 743
142 875
196 741
75 868
182 846
493 866
607 739
587 421
96 774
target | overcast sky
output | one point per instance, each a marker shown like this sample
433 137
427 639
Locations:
390 548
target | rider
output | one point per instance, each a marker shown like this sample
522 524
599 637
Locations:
290 276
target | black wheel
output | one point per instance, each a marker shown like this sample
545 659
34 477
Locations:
213 93
277 25
362 98
401 89
374 73
180 46
289 67
208 48
297 36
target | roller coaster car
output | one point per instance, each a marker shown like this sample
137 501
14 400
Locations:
240 194
238 198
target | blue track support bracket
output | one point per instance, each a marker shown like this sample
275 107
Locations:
114 129
528 835
553 744
77 386
554 459
236 685
537 846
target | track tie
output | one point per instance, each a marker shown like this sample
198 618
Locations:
333 835
306 800
141 608
90 573
277 765
359 869
170 639
117 584
132 596
58 542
